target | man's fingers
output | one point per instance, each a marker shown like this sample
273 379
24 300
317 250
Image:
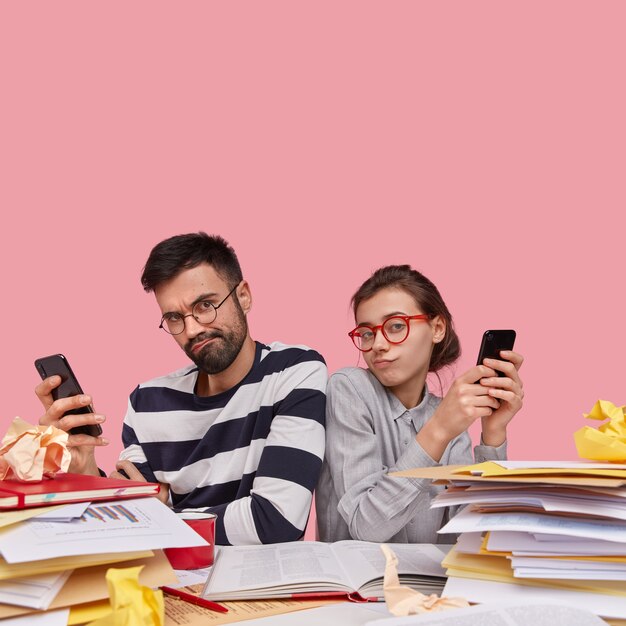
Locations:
86 440
67 422
44 390
130 470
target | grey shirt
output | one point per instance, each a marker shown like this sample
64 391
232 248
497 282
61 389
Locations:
370 433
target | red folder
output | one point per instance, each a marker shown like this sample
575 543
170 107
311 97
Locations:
66 488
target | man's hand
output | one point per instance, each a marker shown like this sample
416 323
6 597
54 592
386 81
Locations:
81 447
132 473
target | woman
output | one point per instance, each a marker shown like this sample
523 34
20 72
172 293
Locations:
384 419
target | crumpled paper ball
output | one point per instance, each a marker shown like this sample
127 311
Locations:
608 441
402 600
29 452
132 604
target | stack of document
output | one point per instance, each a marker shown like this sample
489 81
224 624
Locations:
536 531
54 557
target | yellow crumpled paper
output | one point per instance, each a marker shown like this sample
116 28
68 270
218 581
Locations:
608 441
132 603
29 452
403 600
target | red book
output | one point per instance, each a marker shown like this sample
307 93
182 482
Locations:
66 488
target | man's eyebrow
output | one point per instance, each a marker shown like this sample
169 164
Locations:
200 298
204 296
385 317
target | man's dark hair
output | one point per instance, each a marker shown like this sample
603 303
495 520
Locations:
182 252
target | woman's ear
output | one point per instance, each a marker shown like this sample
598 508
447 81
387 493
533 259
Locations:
438 325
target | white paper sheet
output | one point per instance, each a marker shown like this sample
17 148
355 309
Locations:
484 591
468 521
521 543
499 615
33 592
49 618
65 513
120 526
188 577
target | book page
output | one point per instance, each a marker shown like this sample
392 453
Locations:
365 561
296 566
493 615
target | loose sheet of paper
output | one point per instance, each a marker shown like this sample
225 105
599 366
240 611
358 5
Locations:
500 615
49 618
35 592
180 613
120 526
468 521
64 513
484 591
8 518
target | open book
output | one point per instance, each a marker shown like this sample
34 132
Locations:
313 568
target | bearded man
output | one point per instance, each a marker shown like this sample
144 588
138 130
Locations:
240 431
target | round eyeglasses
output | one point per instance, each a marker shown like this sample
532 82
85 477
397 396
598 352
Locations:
203 311
395 330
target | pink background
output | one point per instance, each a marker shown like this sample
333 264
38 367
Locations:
482 142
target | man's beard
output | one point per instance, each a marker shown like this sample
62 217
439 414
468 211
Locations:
220 354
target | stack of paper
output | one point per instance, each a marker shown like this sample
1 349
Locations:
55 557
536 531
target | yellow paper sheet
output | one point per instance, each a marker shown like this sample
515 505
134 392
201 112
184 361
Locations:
446 474
499 569
492 468
7 518
89 584
180 613
47 566
87 612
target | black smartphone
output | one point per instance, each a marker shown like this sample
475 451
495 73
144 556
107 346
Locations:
494 341
57 364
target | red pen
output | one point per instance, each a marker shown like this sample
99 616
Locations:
197 600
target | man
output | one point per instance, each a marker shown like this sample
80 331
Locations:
241 431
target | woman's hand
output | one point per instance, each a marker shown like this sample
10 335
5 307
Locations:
465 402
508 390
81 446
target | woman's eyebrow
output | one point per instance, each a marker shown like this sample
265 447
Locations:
385 317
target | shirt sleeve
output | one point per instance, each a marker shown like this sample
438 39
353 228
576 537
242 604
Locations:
133 451
279 503
374 505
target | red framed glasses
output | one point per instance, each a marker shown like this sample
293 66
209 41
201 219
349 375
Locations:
394 329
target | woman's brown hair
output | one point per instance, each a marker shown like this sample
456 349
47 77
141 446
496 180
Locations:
427 298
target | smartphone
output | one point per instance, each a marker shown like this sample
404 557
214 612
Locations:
494 341
57 364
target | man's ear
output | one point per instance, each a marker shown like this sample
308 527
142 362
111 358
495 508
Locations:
244 295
